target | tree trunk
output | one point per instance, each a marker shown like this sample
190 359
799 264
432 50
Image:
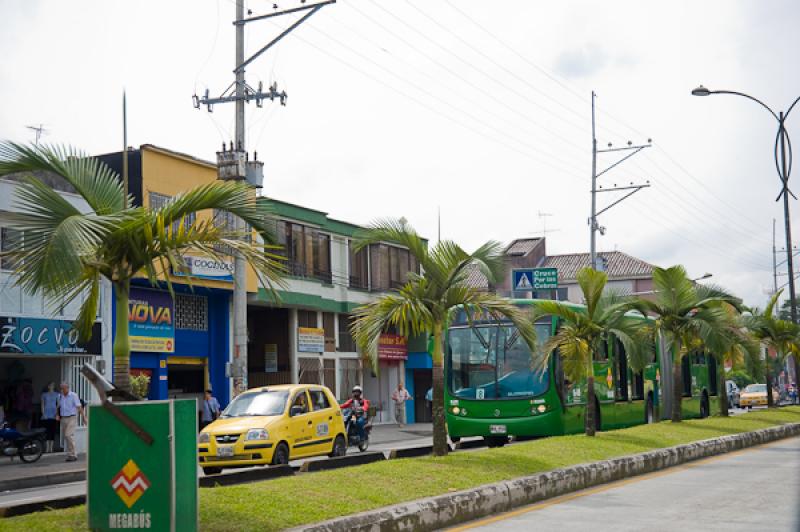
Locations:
588 414
440 447
122 345
722 389
677 388
768 379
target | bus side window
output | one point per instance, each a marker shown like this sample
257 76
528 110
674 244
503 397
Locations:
686 374
559 379
638 387
713 377
621 366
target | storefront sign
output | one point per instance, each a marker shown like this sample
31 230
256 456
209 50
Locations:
151 325
206 268
310 340
45 337
128 484
392 347
271 358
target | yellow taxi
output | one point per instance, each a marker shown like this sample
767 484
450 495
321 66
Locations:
272 425
755 395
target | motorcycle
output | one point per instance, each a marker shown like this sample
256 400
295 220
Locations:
29 446
353 439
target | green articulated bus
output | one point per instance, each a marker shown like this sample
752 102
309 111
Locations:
491 390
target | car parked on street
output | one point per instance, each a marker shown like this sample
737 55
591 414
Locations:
733 394
756 395
272 425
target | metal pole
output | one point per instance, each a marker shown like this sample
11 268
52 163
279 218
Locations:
125 146
593 219
789 251
240 271
774 262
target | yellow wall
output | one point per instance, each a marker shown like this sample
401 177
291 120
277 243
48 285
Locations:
170 174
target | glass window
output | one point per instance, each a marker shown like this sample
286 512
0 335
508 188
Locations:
494 363
306 318
191 312
319 399
257 404
346 342
10 240
330 331
300 400
358 267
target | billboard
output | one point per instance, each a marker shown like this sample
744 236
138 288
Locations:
151 323
45 337
310 340
392 347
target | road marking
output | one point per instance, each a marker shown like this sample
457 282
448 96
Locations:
606 487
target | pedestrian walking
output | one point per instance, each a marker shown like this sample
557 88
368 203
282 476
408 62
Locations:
429 401
210 410
49 402
69 408
400 396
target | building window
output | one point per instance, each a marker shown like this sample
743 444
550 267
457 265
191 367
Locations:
191 312
359 267
328 322
10 240
159 201
349 376
307 318
307 251
389 266
346 342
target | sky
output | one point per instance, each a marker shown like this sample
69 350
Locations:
478 110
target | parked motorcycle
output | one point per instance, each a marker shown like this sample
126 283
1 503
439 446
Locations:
29 446
353 438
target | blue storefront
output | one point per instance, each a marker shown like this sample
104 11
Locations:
419 379
182 344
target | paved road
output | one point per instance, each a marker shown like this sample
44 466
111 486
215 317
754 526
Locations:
749 491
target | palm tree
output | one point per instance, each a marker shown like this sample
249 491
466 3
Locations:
427 300
584 335
685 313
66 252
781 336
738 346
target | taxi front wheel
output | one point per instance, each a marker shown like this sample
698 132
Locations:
339 447
281 454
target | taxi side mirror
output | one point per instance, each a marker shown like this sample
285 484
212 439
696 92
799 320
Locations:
296 411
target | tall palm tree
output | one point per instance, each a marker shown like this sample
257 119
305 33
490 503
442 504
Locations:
66 252
427 300
738 346
582 336
781 336
685 313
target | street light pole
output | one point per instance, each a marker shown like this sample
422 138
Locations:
783 163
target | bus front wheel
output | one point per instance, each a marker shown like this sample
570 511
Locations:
495 441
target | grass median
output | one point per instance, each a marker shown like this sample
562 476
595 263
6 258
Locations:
307 498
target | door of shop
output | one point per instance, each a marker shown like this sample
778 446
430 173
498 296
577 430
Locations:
187 377
422 382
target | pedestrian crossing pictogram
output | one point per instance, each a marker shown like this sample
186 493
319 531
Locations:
524 283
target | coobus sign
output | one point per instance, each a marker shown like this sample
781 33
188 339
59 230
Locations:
136 485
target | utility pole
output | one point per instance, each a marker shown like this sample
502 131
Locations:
125 147
774 261
235 164
594 227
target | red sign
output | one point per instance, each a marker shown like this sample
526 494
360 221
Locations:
392 347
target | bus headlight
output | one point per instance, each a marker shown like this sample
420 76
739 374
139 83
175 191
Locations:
541 409
456 410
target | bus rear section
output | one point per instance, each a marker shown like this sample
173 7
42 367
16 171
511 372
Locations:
493 390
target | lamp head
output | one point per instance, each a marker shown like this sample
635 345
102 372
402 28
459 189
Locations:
701 91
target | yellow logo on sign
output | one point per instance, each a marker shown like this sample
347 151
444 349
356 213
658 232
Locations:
609 378
130 483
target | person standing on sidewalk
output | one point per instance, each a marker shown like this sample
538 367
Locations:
210 411
400 396
49 413
69 408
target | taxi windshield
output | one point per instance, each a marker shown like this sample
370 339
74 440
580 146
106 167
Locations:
756 388
263 403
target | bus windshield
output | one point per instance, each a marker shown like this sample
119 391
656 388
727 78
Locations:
491 362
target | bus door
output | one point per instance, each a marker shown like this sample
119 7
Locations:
604 387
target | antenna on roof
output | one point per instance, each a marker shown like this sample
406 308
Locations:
543 217
39 131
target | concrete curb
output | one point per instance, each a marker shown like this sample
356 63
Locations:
341 461
454 508
49 479
241 477
40 506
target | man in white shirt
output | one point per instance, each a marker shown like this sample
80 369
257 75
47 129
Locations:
400 396
69 408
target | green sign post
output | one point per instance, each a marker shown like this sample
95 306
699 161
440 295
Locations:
135 484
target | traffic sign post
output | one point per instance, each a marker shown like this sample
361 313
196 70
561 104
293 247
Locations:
531 279
136 484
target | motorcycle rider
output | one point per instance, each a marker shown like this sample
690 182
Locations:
360 406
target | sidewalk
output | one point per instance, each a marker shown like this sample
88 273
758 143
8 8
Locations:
14 473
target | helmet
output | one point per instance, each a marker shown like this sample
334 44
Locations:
357 388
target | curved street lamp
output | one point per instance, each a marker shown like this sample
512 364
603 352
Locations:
783 164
